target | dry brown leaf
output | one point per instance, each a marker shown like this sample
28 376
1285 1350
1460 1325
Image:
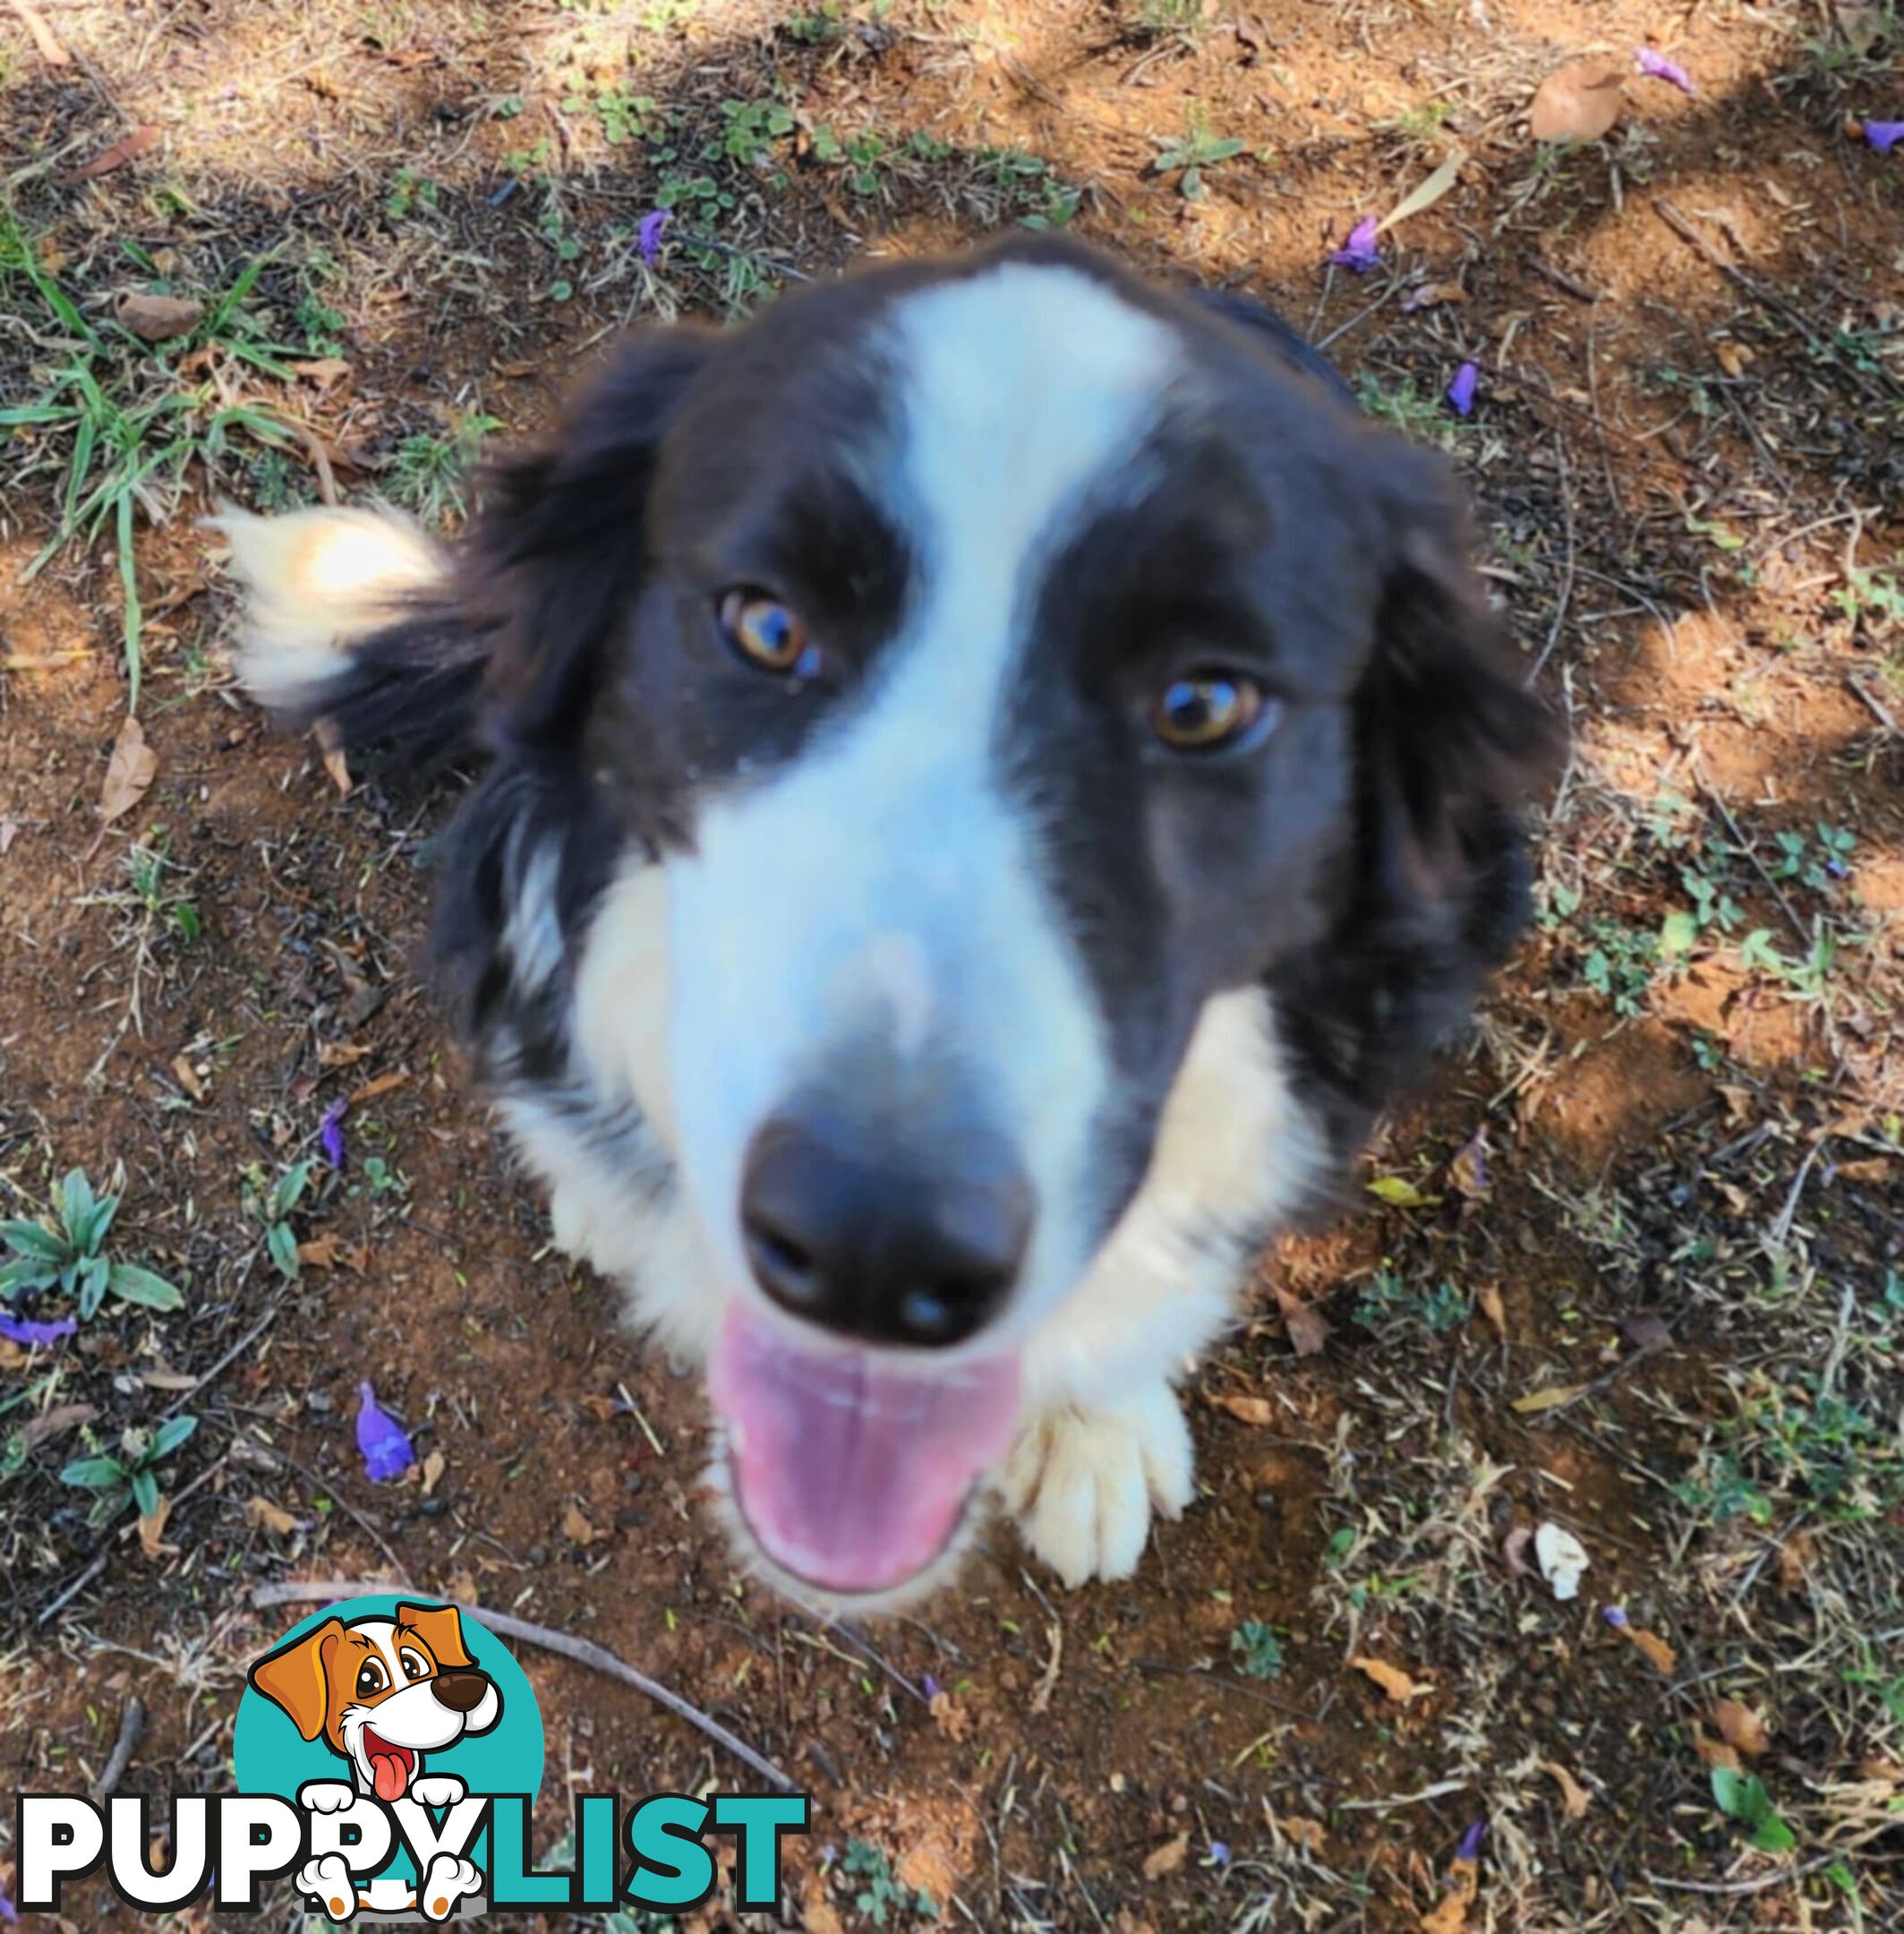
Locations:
434 1466
1715 1753
128 148
321 1252
1657 1653
1309 1835
1246 1409
1427 195
1795 1562
152 1531
950 1717
129 773
1578 102
12 1356
1467 1170
1167 1858
1307 1328
324 371
577 1528
262 1515
1491 1306
1535 1401
1575 1798
1397 1684
1451 1916
341 1054
159 318
1741 1727
187 1077
382 1085
55 1423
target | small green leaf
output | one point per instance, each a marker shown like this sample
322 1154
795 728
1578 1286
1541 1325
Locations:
1774 1837
94 1474
36 1240
95 1279
75 1202
26 1274
1678 934
1401 1194
282 1243
131 1284
289 1189
145 1492
169 1436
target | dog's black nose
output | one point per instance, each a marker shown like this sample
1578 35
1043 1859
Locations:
844 1230
461 1691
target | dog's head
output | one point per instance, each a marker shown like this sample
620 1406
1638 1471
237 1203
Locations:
978 669
380 1692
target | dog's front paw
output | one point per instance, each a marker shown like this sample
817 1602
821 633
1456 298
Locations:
448 1880
327 1879
1083 1484
326 1796
437 1789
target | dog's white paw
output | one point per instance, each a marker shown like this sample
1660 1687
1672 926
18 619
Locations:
327 1880
447 1880
326 1796
437 1789
1083 1484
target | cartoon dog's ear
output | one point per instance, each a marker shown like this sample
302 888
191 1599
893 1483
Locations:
440 1628
294 1677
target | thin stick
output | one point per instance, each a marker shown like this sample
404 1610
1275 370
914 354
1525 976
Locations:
44 38
1743 1887
583 1651
131 1724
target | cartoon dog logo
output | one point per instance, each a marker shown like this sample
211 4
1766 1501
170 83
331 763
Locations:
381 1693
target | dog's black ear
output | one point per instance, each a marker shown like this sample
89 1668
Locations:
560 545
1448 744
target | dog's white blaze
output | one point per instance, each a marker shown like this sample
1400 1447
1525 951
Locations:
315 582
885 879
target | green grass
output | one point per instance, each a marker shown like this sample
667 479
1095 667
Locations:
430 471
131 1475
1257 1650
115 417
1191 155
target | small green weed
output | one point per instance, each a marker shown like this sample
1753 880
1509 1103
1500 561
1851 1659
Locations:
1870 593
410 194
750 131
882 1896
1387 1302
1164 19
1742 1797
623 116
1191 155
131 1477
273 1204
66 1251
1819 864
430 471
1257 1650
1618 964
177 912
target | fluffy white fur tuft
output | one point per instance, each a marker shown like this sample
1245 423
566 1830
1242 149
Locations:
315 581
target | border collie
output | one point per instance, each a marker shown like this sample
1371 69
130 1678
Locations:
992 772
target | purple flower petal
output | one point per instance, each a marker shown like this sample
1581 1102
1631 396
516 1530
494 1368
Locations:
1220 1852
8 1911
1470 1847
1615 1616
1461 391
1359 253
930 1684
35 1335
1885 135
1661 69
330 1134
648 236
387 1451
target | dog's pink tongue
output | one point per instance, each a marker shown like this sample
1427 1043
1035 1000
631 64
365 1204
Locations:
849 1468
387 1770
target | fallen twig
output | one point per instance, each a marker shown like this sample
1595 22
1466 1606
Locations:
583 1651
131 1724
1755 1885
44 38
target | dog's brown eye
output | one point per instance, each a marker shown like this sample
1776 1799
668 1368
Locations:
768 634
415 1665
372 1679
1208 710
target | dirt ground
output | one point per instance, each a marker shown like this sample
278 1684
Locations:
1633 1267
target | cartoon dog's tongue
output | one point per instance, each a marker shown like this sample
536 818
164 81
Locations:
852 1469
390 1764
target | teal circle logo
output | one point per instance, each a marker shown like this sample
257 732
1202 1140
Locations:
395 1698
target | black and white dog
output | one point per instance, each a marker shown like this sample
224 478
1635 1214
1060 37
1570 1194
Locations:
994 772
